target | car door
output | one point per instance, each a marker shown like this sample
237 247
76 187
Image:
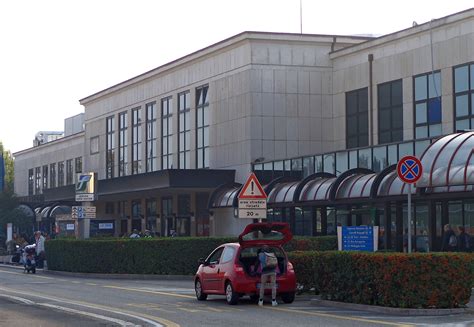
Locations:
225 267
210 272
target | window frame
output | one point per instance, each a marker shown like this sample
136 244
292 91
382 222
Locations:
184 131
201 127
427 102
469 93
167 135
392 110
357 116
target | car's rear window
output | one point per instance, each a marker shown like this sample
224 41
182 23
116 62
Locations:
263 235
251 252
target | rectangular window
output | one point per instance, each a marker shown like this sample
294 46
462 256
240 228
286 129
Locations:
110 140
202 127
109 207
464 97
69 172
390 114
52 175
94 144
167 133
61 173
151 158
78 165
37 180
427 105
184 127
123 143
30 181
45 177
357 121
136 141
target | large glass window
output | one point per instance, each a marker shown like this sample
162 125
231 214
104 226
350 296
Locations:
30 181
61 173
151 215
136 141
69 172
78 165
202 126
123 143
464 96
167 133
37 180
427 105
184 127
151 158
390 114
357 122
45 177
52 175
110 140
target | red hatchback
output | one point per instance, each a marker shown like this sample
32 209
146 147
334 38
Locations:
231 269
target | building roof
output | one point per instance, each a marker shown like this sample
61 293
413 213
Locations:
219 46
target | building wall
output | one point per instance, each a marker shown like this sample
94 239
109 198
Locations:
402 55
269 98
60 150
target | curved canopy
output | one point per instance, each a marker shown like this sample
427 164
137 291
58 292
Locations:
317 190
356 186
60 210
224 196
282 193
45 212
391 185
448 161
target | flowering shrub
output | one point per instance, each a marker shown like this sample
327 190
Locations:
162 256
434 280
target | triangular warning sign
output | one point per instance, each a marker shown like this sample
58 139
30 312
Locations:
252 189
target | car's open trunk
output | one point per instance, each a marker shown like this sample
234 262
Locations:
249 260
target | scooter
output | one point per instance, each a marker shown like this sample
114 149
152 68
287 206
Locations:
29 258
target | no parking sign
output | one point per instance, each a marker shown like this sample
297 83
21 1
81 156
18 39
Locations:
409 170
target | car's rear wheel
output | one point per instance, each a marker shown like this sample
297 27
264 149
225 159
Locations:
230 295
288 297
200 295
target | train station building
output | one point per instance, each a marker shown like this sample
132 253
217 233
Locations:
321 120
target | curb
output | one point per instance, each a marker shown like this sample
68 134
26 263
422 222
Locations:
390 310
110 276
120 276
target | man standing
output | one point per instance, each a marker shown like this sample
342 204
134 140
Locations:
450 242
40 255
268 262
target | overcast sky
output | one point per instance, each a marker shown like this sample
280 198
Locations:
53 53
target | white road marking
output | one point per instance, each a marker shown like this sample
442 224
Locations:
97 307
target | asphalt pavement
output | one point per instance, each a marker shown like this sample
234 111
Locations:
172 303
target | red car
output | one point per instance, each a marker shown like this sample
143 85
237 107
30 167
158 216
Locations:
231 269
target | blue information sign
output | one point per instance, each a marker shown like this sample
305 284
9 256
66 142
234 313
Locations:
358 238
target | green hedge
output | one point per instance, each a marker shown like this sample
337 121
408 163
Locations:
163 256
435 280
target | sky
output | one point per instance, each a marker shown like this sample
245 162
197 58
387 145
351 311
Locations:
55 52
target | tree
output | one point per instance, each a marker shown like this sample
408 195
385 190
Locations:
10 213
9 167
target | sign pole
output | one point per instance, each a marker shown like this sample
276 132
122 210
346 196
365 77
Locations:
409 219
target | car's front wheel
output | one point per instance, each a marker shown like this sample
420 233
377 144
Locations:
288 297
200 295
231 296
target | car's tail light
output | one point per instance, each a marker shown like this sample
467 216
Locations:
238 268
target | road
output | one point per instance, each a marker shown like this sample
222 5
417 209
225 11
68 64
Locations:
48 300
